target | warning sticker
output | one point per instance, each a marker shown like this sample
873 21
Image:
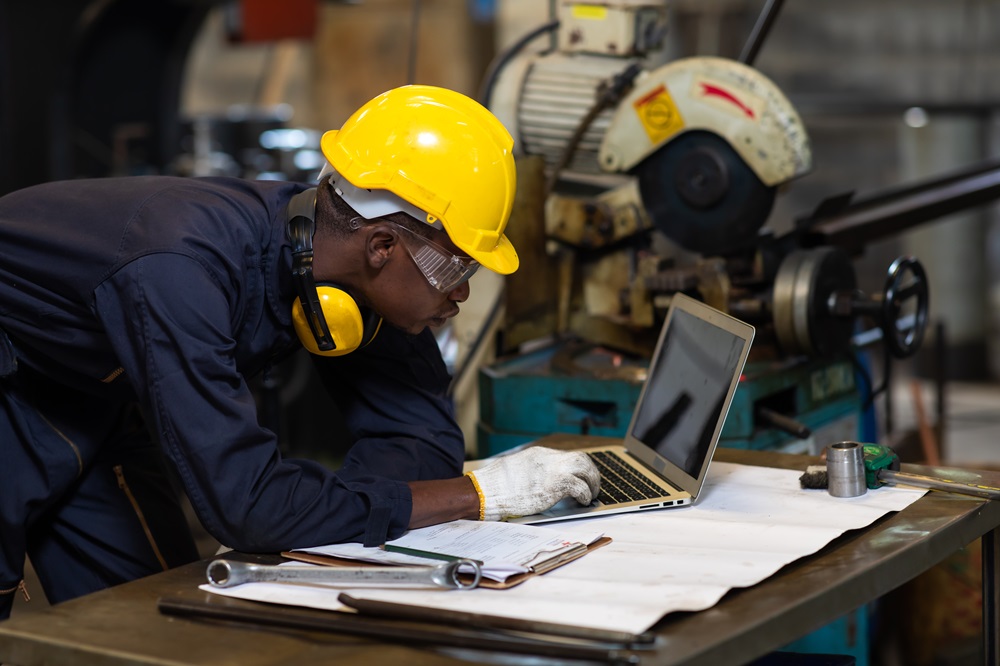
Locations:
659 114
595 12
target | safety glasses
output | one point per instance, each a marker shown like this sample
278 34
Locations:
444 270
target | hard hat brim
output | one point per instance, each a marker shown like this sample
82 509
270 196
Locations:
502 259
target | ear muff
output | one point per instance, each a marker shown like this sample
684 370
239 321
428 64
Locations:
326 318
349 328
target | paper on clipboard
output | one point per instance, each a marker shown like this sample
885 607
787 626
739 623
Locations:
509 553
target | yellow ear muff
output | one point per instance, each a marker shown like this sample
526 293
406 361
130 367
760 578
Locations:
330 323
348 327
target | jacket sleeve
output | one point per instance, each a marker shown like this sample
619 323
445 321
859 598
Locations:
169 321
392 394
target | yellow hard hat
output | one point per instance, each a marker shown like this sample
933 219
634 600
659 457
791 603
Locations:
440 152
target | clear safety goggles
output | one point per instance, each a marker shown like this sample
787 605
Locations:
444 270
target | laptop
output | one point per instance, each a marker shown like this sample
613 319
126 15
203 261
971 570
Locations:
675 427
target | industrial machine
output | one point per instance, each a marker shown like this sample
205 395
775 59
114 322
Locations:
650 178
639 179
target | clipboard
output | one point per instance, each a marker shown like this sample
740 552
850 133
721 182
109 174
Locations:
511 581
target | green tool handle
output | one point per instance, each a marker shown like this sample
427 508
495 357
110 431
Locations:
934 483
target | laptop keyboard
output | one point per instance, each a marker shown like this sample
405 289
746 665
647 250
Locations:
619 482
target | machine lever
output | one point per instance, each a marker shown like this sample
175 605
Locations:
784 423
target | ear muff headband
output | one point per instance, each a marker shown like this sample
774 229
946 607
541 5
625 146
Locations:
327 320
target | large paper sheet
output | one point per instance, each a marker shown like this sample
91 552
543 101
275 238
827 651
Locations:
749 522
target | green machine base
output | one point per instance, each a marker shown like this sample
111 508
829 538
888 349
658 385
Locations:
593 391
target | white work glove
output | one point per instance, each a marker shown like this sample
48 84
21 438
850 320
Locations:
532 480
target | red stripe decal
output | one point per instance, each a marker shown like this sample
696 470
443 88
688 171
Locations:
708 90
648 97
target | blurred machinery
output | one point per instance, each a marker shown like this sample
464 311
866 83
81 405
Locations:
104 96
641 179
248 142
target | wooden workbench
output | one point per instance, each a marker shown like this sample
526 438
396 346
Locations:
123 626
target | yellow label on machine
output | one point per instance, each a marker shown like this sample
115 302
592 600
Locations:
595 12
658 114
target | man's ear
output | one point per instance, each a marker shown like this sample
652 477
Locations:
382 244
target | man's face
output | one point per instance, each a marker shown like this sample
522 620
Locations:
405 297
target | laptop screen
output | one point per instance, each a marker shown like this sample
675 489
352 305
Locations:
692 377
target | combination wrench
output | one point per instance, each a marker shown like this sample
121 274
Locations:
227 573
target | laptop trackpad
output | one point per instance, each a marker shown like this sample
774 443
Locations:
566 506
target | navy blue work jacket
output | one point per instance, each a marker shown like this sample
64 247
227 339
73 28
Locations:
172 292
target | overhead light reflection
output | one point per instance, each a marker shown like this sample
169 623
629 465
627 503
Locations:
916 117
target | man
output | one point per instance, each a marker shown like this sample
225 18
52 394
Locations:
133 310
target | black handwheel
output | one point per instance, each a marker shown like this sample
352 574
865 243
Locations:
906 281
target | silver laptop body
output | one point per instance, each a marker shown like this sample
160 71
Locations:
693 374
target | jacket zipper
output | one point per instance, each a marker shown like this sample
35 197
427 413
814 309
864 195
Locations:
115 374
79 470
76 449
20 586
138 512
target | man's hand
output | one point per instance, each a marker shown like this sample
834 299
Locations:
534 479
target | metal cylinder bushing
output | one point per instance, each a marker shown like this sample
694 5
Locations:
845 469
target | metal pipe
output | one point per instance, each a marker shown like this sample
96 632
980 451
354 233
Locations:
845 468
760 30
862 222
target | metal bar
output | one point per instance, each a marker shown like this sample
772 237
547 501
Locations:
938 483
940 382
991 621
760 30
456 618
407 633
886 214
